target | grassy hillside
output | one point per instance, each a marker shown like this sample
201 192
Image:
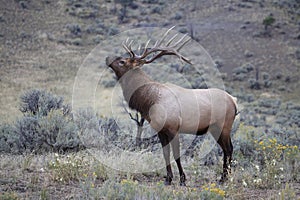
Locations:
255 46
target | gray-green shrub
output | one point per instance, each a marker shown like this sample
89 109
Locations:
46 125
39 102
9 141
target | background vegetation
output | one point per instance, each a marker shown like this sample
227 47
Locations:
45 146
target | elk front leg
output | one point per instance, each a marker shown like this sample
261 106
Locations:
163 137
138 135
176 152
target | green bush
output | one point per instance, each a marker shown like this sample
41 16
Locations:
268 21
58 132
9 141
39 102
26 132
47 125
54 132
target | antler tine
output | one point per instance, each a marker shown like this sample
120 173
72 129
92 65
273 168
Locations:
163 37
146 46
127 47
180 40
184 43
139 48
171 40
186 60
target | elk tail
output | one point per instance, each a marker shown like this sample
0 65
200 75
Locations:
234 99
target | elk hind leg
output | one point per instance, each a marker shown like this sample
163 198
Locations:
225 142
223 139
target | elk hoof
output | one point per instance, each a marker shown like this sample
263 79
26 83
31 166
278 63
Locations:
167 182
182 180
182 184
222 180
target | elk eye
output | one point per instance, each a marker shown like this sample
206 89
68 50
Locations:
121 62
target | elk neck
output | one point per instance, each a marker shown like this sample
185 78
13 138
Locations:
139 90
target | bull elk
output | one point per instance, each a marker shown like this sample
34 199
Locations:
171 109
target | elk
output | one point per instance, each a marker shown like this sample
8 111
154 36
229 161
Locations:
171 109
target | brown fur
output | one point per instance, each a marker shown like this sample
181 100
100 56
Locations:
140 103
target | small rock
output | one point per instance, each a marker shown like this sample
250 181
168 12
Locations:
74 29
23 4
178 16
219 63
282 88
243 27
248 54
77 42
239 77
97 39
244 5
133 5
231 9
156 10
183 30
254 84
287 79
257 34
278 75
266 76
267 83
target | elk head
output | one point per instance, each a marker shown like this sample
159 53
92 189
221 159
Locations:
121 65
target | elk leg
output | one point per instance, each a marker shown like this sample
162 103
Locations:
138 140
225 142
176 153
163 137
140 129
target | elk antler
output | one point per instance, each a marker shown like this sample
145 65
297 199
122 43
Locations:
158 50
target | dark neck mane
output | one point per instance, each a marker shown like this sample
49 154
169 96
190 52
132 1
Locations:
139 90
